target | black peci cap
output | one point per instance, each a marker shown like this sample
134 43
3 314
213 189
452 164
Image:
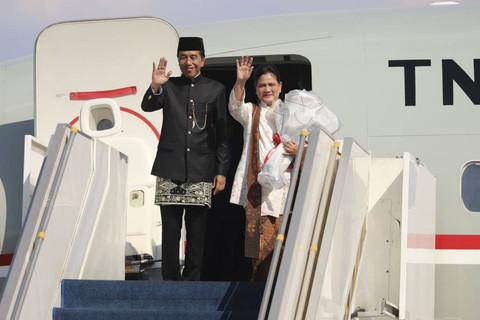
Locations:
190 43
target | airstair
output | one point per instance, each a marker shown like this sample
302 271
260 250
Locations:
74 227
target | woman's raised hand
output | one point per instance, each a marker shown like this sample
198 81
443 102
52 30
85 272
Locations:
244 69
159 77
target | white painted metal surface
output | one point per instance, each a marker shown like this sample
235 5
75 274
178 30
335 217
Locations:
398 262
34 154
282 232
417 277
378 276
304 215
318 230
341 237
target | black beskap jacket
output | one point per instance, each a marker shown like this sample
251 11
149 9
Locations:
190 149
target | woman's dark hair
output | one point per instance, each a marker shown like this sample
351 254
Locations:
264 69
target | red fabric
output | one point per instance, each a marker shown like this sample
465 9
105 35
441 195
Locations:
276 142
276 139
268 154
6 259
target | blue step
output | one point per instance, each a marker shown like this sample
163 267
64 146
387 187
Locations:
99 299
93 314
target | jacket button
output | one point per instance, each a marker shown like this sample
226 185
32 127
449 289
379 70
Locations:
191 100
188 149
190 117
189 132
193 85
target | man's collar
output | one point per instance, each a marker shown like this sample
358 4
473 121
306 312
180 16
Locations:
197 78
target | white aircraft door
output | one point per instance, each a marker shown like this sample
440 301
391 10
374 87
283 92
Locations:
78 61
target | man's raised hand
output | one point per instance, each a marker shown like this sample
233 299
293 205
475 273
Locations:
159 77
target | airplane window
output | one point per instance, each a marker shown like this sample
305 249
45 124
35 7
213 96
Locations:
470 185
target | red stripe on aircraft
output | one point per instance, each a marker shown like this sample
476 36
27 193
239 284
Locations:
6 259
443 241
74 121
457 242
103 94
136 114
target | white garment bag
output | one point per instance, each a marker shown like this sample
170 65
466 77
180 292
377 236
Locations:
301 110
